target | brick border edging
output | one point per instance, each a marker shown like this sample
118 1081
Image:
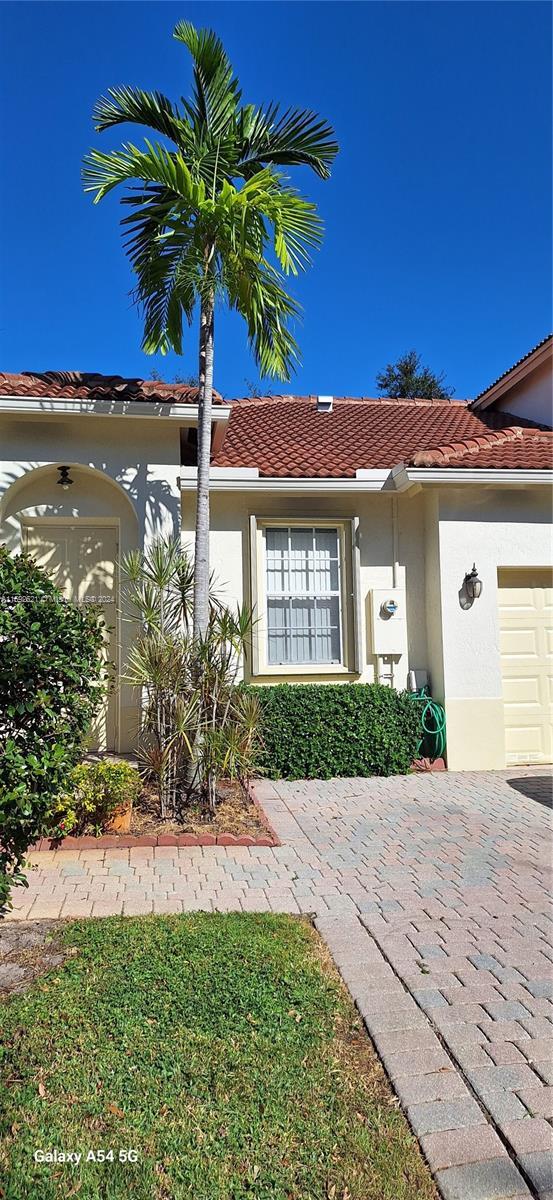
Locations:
126 841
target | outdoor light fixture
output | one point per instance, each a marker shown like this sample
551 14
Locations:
64 480
473 585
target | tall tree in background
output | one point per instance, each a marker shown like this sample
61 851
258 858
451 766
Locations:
408 379
213 219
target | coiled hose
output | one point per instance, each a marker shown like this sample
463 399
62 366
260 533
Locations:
432 718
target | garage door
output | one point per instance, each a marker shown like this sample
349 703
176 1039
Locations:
81 560
526 647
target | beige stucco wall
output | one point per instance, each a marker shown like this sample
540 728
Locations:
230 558
440 533
125 473
142 456
532 397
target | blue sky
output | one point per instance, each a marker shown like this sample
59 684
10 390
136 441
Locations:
437 214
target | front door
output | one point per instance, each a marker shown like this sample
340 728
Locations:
81 559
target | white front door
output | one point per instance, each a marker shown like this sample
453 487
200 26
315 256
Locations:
526 647
81 559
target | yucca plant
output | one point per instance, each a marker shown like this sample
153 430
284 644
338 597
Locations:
213 219
159 666
196 725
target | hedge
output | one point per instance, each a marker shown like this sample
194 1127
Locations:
51 682
321 731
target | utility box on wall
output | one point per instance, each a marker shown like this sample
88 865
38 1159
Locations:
388 621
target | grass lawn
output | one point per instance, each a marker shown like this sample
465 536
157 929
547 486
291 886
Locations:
222 1048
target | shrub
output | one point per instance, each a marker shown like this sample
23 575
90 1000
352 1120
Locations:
317 731
51 680
96 791
197 726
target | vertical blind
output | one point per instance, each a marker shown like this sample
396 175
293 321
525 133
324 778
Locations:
303 595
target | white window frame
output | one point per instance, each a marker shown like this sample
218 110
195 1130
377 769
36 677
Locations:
348 612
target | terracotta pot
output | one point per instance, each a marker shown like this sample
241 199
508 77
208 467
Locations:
121 819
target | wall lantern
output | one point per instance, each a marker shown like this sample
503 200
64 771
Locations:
64 480
473 585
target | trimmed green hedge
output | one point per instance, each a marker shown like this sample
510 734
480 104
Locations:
320 731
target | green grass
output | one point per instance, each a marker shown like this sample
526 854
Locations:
222 1048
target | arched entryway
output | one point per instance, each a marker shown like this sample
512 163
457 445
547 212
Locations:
78 534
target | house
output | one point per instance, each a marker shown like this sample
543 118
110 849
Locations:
351 524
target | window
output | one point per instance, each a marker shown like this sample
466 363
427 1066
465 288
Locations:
303 595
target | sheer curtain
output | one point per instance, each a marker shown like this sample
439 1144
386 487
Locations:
303 595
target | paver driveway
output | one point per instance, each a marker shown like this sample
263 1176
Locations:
432 893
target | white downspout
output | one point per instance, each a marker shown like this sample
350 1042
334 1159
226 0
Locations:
395 543
395 565
395 576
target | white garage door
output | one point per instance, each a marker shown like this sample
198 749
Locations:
526 647
81 560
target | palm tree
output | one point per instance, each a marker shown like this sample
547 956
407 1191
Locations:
213 218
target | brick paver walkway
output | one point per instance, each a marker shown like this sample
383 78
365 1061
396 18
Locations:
432 893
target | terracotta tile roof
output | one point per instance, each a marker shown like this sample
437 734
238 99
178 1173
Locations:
509 449
285 436
83 385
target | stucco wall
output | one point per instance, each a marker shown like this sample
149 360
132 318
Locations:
125 473
230 513
142 456
494 529
532 397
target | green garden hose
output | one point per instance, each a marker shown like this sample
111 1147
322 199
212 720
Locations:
432 719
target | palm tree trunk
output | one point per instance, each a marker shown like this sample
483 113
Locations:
201 553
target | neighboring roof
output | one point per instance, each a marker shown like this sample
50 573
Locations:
503 378
285 436
84 385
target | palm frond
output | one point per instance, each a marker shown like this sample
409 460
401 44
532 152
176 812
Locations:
297 227
255 292
296 138
216 91
157 165
132 105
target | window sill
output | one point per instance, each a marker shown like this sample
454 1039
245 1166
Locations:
305 669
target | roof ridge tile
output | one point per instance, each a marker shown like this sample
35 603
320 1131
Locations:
443 454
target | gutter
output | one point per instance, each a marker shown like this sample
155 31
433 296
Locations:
247 479
407 477
140 409
400 479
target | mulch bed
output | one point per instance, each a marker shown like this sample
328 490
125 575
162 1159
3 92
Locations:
239 821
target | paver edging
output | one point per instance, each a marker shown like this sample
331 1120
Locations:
126 841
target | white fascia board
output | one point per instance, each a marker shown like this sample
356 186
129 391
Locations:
407 477
190 474
142 409
229 480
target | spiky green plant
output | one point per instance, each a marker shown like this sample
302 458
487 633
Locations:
196 726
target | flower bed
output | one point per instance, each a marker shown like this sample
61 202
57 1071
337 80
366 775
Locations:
262 835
